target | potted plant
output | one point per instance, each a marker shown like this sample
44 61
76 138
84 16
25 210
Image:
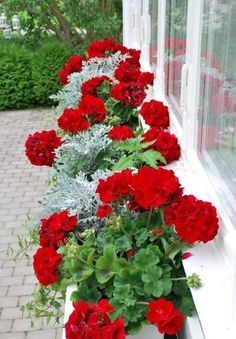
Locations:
115 223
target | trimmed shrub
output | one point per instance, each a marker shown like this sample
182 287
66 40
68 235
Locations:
46 61
27 78
16 87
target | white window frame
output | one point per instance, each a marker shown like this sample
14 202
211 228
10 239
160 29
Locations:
215 261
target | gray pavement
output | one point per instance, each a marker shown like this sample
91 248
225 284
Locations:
21 186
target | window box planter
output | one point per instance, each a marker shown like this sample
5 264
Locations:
149 331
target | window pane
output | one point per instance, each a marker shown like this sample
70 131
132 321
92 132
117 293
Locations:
217 111
176 22
153 11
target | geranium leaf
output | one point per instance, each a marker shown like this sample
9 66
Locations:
123 163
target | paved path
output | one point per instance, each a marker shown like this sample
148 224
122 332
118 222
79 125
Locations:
21 186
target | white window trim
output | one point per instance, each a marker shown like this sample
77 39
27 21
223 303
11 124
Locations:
214 261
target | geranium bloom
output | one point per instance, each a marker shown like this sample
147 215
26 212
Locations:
74 64
53 230
195 220
72 120
103 211
114 187
90 86
131 93
46 261
153 188
155 114
164 314
146 78
101 48
121 133
127 71
165 143
40 147
89 321
90 105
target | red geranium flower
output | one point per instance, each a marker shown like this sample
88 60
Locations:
164 314
40 147
146 78
46 261
165 143
103 211
114 187
91 321
90 86
90 105
53 230
127 71
154 187
74 64
121 133
73 121
131 93
195 220
155 114
101 48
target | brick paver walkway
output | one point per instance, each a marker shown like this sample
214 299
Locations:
21 186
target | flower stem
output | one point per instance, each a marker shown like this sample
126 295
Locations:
178 279
142 302
149 216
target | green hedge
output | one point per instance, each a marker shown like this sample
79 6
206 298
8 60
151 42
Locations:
27 78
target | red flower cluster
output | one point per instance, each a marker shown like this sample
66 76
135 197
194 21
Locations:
165 143
89 321
164 314
195 220
102 48
90 86
129 71
121 133
131 93
153 188
103 211
54 229
155 114
46 261
162 185
40 147
74 64
72 120
146 78
114 187
90 105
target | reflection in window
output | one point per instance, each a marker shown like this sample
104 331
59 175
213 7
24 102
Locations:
176 22
217 110
153 11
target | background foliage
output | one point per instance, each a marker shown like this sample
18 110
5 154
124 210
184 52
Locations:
29 77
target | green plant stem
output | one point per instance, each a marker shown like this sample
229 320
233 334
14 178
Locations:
126 233
162 216
178 279
149 216
142 303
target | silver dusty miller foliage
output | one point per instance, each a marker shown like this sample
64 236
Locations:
77 195
71 94
81 149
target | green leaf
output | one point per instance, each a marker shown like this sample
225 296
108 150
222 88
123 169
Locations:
86 293
151 157
123 163
107 265
146 257
155 284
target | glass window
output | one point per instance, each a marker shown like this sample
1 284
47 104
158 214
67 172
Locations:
175 44
217 109
153 11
